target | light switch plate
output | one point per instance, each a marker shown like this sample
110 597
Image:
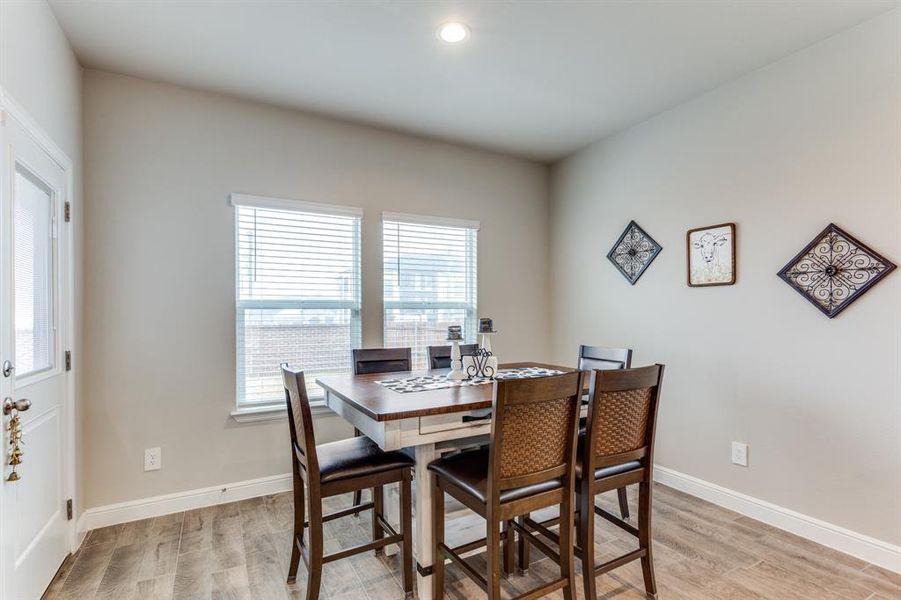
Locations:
153 459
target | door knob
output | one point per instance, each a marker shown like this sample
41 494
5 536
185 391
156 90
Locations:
19 405
8 368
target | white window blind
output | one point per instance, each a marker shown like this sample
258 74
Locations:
430 278
298 294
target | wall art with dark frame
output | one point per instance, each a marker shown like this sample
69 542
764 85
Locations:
710 255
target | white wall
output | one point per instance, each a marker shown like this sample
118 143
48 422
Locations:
809 140
160 341
40 72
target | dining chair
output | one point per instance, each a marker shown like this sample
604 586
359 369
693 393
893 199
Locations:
603 358
440 356
378 360
337 468
381 360
529 465
617 449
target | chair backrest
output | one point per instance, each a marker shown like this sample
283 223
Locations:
622 416
381 360
439 356
300 422
600 357
534 427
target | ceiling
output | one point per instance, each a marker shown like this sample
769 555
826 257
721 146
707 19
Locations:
535 79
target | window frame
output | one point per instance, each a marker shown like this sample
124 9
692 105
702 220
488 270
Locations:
258 411
471 310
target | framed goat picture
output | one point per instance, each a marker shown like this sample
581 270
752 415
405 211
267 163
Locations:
711 255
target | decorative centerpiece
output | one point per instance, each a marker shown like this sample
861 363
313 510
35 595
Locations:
482 363
455 336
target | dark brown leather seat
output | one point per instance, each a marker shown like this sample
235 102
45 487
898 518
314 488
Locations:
610 471
469 470
330 470
357 457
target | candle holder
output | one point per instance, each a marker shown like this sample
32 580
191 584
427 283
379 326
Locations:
483 364
455 336
456 364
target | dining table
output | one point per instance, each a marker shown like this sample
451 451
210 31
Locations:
426 422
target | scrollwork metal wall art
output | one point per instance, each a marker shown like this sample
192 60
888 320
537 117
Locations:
633 252
480 366
834 270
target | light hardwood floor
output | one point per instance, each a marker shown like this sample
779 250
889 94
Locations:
240 551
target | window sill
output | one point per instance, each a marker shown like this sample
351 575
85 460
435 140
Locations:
275 413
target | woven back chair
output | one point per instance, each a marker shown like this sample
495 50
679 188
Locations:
618 449
440 356
529 465
532 436
621 415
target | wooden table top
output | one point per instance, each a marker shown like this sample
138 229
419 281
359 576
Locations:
383 404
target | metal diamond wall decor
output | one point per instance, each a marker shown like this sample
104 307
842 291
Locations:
834 270
633 252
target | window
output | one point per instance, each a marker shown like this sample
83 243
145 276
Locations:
430 281
33 247
298 293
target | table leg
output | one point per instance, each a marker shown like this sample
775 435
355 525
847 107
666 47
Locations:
422 550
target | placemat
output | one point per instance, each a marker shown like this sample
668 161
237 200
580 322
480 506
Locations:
436 382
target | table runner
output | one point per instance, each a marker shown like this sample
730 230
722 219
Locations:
423 383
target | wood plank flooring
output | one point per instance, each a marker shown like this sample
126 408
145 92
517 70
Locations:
240 551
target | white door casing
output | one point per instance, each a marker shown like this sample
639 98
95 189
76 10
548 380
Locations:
35 533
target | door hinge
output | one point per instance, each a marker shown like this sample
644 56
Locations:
69 509
67 212
68 360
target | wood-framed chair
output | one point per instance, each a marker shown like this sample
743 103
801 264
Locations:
378 360
529 465
439 356
381 360
617 449
604 358
337 468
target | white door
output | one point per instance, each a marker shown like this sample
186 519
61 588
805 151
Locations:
33 264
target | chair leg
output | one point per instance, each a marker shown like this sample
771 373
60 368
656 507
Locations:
378 510
406 517
299 516
437 539
523 547
567 556
509 544
358 495
644 536
623 502
493 557
586 542
315 548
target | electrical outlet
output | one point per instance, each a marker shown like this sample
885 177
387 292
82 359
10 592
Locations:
739 454
153 459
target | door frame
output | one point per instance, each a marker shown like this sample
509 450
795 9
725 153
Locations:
12 110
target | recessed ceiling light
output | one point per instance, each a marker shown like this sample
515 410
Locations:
453 33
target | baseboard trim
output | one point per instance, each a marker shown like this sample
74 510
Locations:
875 551
145 508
